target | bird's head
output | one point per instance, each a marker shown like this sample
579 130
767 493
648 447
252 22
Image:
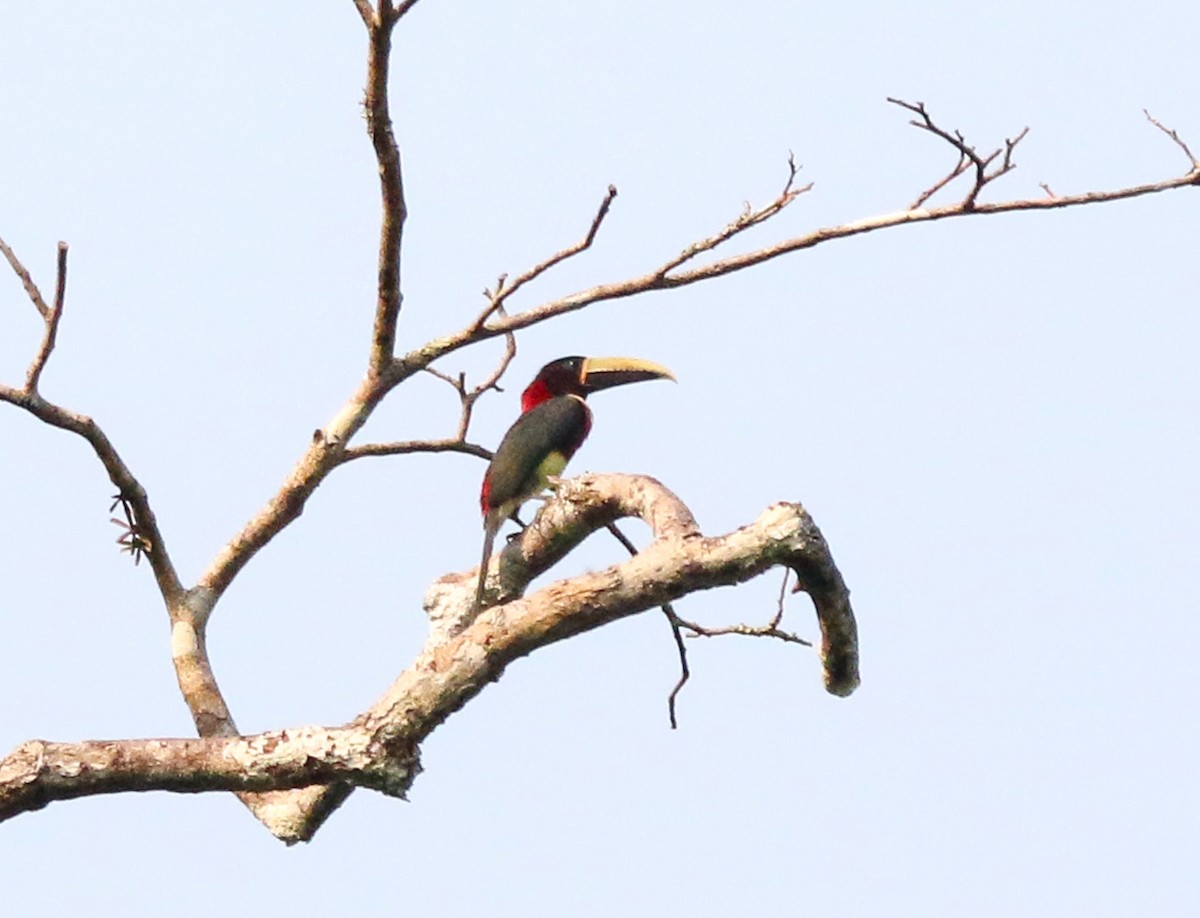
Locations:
583 375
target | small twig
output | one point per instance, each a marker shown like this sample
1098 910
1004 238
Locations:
968 157
673 620
1007 164
504 289
1174 136
52 320
491 383
685 673
405 447
767 630
748 218
771 629
457 383
31 289
467 399
959 168
787 572
1046 188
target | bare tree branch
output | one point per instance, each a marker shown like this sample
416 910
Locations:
407 447
588 502
748 218
31 289
118 473
770 630
464 654
960 167
395 211
324 453
188 609
1175 137
654 280
967 156
465 650
331 448
673 620
467 399
38 773
52 320
504 289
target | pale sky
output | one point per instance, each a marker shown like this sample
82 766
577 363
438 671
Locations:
993 420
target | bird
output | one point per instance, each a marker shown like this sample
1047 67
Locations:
554 422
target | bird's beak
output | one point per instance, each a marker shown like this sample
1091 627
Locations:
606 372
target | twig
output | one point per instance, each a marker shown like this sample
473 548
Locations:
685 673
967 155
1174 136
504 290
52 320
31 289
655 280
467 399
140 515
748 218
324 455
673 620
960 167
118 473
406 447
771 629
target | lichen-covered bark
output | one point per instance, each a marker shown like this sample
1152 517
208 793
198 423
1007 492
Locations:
299 776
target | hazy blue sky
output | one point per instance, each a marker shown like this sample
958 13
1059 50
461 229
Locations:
993 420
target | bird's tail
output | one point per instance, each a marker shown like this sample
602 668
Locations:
491 525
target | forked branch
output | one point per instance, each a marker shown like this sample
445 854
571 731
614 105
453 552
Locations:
142 519
464 654
967 156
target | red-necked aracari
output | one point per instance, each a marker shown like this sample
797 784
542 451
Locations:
554 422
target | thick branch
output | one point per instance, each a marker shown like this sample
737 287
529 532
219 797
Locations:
462 656
679 561
325 452
38 773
